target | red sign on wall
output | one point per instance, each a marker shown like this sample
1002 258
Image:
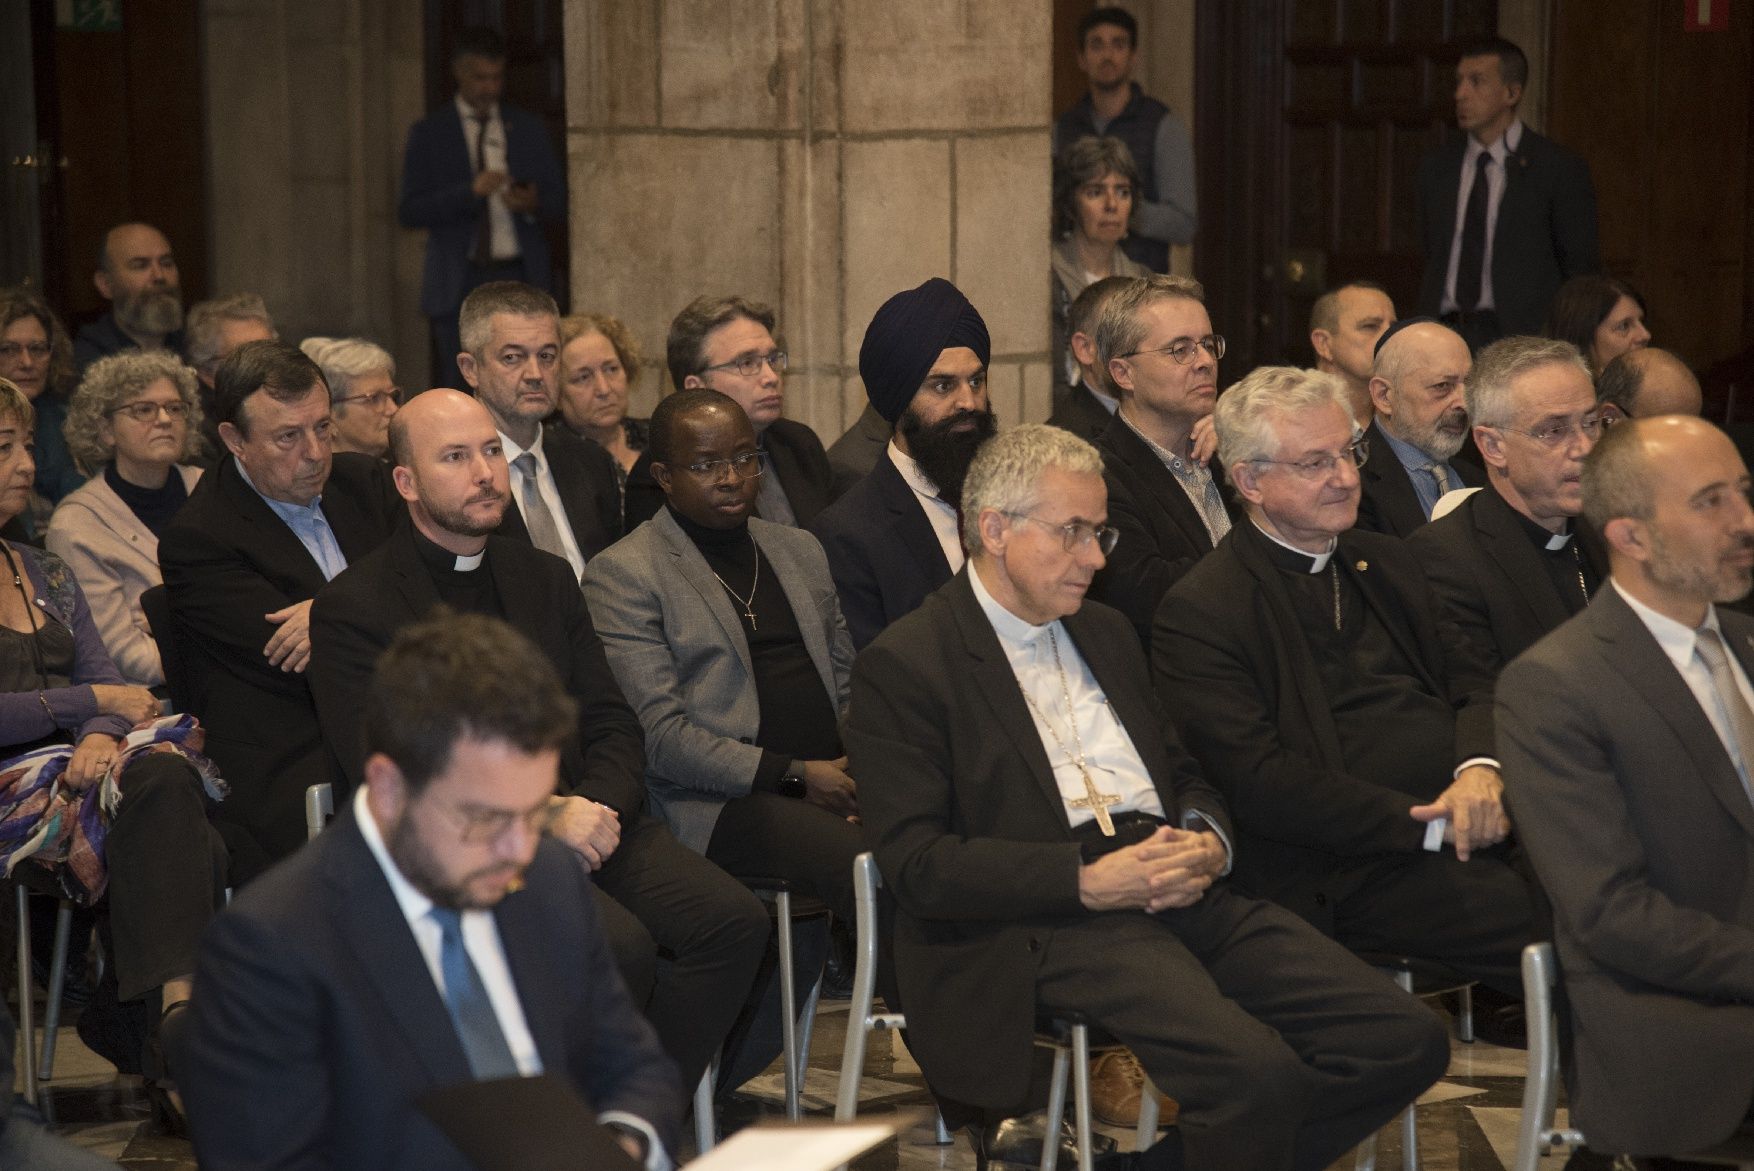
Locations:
1705 16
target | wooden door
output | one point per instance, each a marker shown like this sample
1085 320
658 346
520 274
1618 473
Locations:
1312 118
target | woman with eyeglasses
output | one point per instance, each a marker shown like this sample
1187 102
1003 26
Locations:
133 422
363 395
37 357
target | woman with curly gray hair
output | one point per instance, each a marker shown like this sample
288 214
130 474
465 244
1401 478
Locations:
134 420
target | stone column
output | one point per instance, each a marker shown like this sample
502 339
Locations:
819 155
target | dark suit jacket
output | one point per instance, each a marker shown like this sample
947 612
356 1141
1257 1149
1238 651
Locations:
1643 837
882 551
970 829
358 614
794 454
319 1023
1388 503
1236 673
438 177
1162 536
1081 414
1545 235
227 561
1488 576
584 474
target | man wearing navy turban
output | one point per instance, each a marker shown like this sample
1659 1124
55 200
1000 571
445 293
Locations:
896 536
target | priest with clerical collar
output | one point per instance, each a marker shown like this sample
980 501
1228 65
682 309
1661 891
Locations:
1516 559
1317 685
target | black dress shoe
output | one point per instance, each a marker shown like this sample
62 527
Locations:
1018 1141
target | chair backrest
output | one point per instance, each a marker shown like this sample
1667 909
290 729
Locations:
155 603
319 808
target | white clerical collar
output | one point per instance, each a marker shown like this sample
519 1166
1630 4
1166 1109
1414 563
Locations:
1558 541
469 562
1318 561
1008 626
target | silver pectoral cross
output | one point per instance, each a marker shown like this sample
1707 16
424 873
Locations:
1095 801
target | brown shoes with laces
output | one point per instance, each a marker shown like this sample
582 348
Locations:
1117 1083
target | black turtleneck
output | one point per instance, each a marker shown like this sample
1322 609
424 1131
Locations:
798 720
469 590
154 506
1393 730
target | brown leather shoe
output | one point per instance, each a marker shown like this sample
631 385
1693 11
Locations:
1117 1081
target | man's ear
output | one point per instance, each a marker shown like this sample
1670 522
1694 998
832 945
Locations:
1323 343
403 478
1083 349
1379 395
661 474
1628 537
1121 373
386 789
468 369
693 382
1246 479
995 529
105 287
233 439
1490 441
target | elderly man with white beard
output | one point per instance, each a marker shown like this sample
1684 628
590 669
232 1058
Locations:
1421 423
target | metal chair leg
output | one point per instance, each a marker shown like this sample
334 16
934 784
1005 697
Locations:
1409 1123
1366 1160
1080 1097
1146 1135
788 1006
1050 1146
806 1030
1465 1020
941 1133
57 984
705 1134
27 1025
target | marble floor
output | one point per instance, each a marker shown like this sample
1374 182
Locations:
1467 1122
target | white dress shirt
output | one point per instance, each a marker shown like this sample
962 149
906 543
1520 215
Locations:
550 495
1501 151
487 952
938 511
504 238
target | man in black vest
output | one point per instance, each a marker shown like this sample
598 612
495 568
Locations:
1117 107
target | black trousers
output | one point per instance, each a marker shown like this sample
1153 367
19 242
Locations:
662 899
1282 1049
764 835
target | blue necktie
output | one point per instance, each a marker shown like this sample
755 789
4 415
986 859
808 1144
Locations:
472 1013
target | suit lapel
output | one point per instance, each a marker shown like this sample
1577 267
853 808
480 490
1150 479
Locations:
523 934
1136 708
1391 610
1391 487
692 567
573 488
1161 486
1507 545
919 538
274 539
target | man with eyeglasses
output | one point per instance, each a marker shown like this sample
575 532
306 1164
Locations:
429 938
567 500
1421 424
727 344
893 538
727 638
1514 560
450 470
264 531
1348 726
1049 843
1169 502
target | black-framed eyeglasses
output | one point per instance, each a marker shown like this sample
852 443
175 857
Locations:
376 400
1076 535
1182 349
476 825
749 365
147 412
1561 432
743 467
1320 467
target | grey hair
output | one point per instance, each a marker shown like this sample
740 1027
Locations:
1242 417
513 298
1487 388
343 359
201 329
116 381
1006 472
1119 330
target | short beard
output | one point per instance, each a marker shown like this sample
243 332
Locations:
943 455
152 313
415 862
1727 585
1438 444
459 522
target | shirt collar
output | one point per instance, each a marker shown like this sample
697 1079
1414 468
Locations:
1499 150
1011 629
1105 400
1316 561
1542 536
1409 456
415 906
468 114
513 451
1676 638
1179 464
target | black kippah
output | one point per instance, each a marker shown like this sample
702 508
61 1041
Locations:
1397 327
907 334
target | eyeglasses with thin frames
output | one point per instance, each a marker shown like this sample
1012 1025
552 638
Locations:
1320 467
749 365
476 825
146 412
377 400
1076 535
743 467
1182 349
1561 432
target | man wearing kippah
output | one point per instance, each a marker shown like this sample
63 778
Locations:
894 537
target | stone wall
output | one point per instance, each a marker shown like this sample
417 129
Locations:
308 103
819 155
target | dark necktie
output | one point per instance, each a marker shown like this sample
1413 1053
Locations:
1473 255
472 1012
483 224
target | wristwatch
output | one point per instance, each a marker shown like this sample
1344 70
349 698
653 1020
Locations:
792 785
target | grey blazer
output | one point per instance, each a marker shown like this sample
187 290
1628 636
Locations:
681 657
115 559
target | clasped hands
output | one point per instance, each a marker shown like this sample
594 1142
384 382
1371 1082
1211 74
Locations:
1170 869
1474 804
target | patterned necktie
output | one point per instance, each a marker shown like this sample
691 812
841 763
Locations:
1439 475
484 1042
544 533
1708 648
1471 260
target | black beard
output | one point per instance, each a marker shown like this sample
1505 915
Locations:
943 455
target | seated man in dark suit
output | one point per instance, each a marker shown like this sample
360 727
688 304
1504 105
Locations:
430 937
564 488
260 535
1350 732
727 344
893 538
1089 406
725 633
1628 739
1511 562
450 470
1421 424
1049 843
1168 503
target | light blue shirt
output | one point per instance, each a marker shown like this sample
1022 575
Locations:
309 525
1418 466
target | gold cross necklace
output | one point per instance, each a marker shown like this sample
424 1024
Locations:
1095 801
